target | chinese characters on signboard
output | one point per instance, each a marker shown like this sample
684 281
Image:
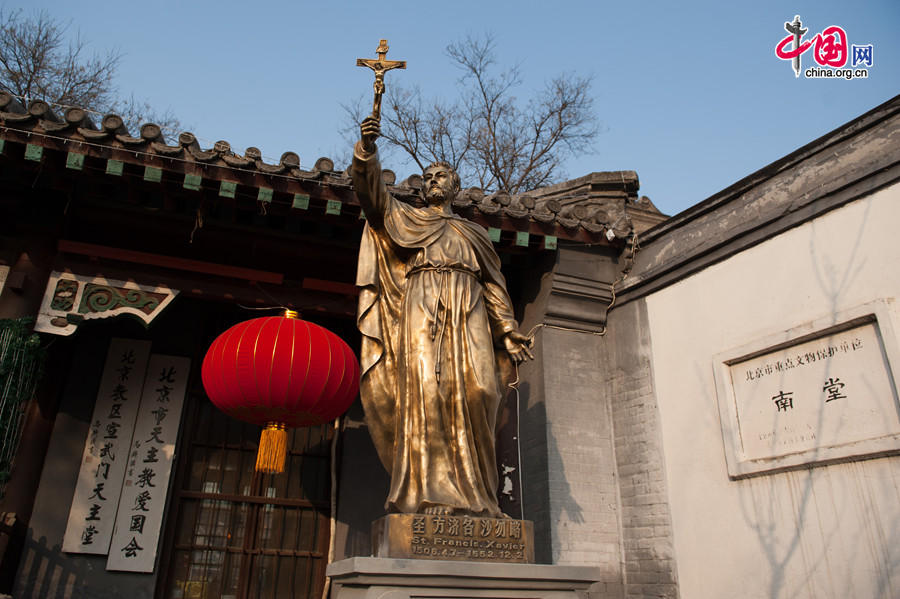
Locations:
452 537
121 491
93 511
831 391
149 463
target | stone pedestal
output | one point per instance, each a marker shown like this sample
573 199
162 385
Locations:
421 536
383 578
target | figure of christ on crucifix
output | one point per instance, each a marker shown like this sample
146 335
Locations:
380 65
439 340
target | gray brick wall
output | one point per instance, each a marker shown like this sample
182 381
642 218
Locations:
582 486
649 564
592 457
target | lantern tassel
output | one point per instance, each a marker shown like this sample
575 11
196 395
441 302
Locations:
272 449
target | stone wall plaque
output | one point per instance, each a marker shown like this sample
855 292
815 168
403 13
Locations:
421 536
818 393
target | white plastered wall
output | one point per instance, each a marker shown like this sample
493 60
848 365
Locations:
823 532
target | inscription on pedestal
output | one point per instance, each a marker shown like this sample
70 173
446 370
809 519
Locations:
454 538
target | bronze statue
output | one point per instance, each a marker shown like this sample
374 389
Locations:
438 341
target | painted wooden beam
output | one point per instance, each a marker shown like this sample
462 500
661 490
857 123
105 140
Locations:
211 268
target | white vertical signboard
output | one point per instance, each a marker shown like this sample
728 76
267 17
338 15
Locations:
93 511
143 500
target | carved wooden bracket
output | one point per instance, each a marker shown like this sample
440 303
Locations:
70 299
581 289
578 303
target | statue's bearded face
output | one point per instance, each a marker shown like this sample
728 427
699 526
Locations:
439 185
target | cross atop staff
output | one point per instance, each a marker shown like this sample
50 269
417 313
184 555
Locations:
380 65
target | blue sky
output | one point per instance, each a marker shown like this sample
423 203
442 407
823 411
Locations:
689 95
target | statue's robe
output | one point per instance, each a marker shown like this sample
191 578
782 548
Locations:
433 310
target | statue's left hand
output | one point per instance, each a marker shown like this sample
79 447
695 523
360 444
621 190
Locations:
518 346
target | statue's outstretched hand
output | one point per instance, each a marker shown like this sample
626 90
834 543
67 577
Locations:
369 131
518 346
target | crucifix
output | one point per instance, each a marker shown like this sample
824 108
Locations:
380 65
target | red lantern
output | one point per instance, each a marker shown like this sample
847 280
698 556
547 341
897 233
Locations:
280 372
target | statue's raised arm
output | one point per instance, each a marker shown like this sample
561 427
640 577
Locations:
366 173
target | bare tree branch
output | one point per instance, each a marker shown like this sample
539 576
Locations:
39 60
490 138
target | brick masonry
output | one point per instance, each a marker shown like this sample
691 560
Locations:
591 450
648 551
583 506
